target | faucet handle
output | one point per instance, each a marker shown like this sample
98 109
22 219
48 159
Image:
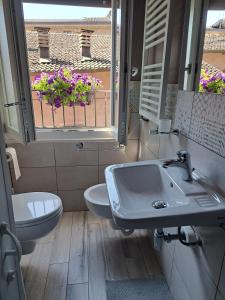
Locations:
183 155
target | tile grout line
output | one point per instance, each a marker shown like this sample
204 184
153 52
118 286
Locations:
221 268
56 177
69 252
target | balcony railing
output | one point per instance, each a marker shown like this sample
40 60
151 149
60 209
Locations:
95 115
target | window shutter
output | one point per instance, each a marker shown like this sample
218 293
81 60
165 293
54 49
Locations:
155 67
15 80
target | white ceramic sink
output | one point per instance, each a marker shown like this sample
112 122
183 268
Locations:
137 189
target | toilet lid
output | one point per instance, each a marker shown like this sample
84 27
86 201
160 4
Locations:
30 207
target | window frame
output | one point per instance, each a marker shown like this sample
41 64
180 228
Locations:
191 62
73 132
14 71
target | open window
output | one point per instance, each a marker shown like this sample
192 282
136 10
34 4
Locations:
106 113
16 108
204 69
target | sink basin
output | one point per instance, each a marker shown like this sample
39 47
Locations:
146 195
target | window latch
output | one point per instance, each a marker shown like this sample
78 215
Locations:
188 68
11 104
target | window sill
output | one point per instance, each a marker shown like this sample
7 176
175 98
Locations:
46 135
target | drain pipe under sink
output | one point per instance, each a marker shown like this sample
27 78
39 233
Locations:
186 235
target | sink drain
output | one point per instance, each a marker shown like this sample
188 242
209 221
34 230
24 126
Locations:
157 204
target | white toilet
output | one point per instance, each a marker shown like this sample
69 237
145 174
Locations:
97 200
35 214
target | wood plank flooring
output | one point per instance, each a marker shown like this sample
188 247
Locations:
73 262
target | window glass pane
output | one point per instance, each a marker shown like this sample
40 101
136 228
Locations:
212 78
69 52
6 80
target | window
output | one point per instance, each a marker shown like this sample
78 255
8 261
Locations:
204 65
212 79
69 47
15 102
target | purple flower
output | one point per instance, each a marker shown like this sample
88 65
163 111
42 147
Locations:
37 78
82 104
51 80
57 101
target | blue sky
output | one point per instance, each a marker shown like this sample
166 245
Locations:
44 11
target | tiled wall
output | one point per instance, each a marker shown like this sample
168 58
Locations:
62 168
194 273
201 117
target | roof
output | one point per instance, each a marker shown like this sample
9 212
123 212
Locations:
210 68
214 41
65 52
97 20
220 24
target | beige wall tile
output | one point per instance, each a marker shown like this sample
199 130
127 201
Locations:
67 154
222 280
189 262
151 140
178 288
79 177
119 155
101 173
108 145
35 180
145 153
134 126
35 154
73 200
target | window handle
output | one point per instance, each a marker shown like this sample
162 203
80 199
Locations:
188 68
11 104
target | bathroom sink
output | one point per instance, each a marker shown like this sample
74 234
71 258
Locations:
146 195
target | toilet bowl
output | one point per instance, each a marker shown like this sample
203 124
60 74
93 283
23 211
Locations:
97 200
35 214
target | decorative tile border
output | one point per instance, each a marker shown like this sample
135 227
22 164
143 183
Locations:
171 100
201 117
134 94
183 111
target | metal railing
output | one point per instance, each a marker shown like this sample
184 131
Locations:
95 115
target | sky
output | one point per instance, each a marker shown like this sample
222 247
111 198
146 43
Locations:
215 15
44 11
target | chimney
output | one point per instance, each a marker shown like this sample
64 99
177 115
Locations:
43 43
85 43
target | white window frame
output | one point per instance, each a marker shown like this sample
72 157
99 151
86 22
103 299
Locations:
193 44
72 133
15 73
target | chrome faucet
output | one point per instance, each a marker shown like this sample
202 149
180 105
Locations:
183 161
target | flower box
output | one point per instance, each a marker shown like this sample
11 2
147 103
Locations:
66 88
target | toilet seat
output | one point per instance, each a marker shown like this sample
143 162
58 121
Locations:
31 209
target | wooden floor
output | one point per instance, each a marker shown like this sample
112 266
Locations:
76 259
